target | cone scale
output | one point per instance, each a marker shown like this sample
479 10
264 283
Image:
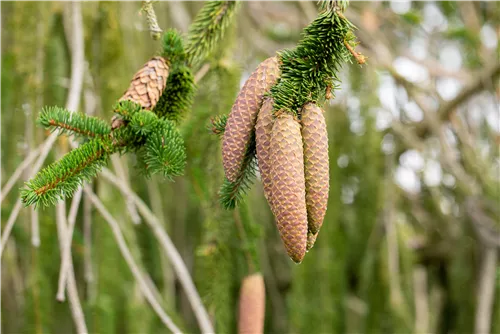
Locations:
263 130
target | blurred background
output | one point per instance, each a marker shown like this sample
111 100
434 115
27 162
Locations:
411 237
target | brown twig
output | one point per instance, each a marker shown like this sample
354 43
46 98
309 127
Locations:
169 249
154 29
127 255
74 300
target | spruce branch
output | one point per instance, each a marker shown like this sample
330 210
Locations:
62 178
143 123
78 124
164 151
177 98
126 109
208 28
231 193
218 125
309 72
173 47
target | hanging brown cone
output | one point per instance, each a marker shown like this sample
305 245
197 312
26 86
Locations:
316 165
148 83
288 185
311 239
243 116
252 305
263 130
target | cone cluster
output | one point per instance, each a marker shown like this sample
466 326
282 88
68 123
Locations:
148 83
293 163
292 156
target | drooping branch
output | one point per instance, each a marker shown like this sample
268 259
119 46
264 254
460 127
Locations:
310 70
77 124
65 176
208 28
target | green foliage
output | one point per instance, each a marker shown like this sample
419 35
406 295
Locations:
208 28
77 124
143 123
333 4
127 109
231 193
172 47
219 124
62 178
412 17
164 150
312 67
177 98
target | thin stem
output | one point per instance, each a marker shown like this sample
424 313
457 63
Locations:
74 300
77 58
18 172
421 300
66 246
486 293
169 249
154 29
120 172
87 242
127 255
9 225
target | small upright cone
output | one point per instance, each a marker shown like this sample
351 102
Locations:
148 83
252 305
263 130
243 116
311 240
316 165
288 185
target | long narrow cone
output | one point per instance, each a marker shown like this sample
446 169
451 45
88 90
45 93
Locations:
148 83
243 116
252 305
316 164
288 185
263 130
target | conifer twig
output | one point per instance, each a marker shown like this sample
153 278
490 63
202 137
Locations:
127 255
18 172
170 250
154 29
88 272
486 291
73 100
208 28
9 225
120 172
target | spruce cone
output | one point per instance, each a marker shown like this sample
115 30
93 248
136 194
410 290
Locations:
252 305
288 185
243 116
311 239
315 140
148 83
263 130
